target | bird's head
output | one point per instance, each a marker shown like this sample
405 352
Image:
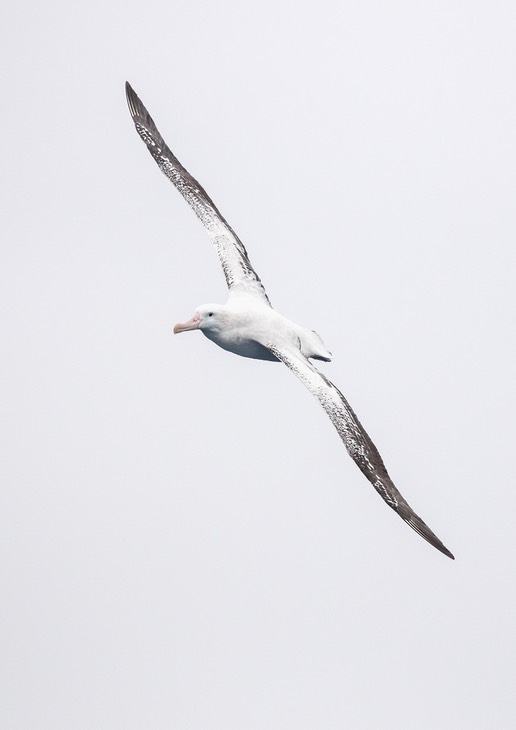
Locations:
209 318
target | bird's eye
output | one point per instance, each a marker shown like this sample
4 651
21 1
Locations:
210 314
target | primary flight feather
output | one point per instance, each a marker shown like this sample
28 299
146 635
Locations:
248 325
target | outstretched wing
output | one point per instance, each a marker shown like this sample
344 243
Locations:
240 275
358 444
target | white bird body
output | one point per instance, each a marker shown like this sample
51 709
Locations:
248 326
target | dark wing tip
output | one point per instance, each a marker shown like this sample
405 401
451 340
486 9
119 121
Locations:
130 95
143 121
133 102
426 533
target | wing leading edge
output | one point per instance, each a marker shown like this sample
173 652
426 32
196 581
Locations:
358 444
239 273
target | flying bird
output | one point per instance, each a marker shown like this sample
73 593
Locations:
247 325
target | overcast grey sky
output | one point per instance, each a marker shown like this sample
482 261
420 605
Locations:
184 542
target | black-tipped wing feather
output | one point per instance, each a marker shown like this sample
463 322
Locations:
237 268
358 444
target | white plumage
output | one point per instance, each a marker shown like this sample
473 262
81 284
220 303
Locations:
247 325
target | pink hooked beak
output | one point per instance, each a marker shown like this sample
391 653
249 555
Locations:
192 324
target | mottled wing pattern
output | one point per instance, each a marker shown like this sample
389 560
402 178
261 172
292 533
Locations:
237 268
358 444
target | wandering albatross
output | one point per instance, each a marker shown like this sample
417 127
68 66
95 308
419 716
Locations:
248 325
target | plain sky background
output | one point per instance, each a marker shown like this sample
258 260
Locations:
184 542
